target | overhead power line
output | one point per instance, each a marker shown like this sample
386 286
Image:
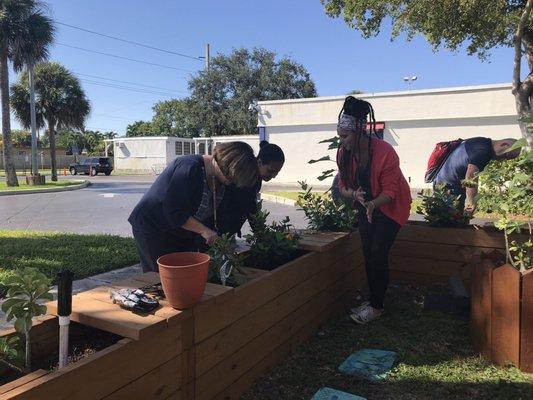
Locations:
124 58
130 42
129 83
131 89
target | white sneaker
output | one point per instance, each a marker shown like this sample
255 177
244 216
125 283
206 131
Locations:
365 314
355 310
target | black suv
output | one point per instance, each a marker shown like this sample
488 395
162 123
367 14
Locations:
92 166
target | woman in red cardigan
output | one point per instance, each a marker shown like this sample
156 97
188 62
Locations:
370 176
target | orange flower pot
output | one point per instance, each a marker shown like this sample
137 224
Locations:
183 277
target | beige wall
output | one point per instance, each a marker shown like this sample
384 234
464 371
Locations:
415 121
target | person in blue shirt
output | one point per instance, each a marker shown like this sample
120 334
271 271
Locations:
469 158
179 211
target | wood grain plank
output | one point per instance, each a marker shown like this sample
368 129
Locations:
505 316
526 323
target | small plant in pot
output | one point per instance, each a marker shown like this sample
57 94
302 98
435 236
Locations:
25 290
323 214
442 209
226 264
271 245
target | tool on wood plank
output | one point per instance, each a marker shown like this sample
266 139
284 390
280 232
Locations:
64 309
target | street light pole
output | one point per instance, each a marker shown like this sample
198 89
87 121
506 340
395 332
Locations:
33 123
409 80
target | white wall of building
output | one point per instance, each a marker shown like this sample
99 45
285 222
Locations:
414 122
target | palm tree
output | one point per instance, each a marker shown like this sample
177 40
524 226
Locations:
61 102
13 14
29 48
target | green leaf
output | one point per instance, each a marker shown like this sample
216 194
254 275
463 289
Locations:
517 145
325 158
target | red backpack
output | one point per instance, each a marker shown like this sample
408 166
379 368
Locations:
438 156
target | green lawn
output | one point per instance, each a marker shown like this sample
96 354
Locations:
85 255
22 173
436 360
24 186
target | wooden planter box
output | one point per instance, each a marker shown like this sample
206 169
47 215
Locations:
214 350
425 254
501 323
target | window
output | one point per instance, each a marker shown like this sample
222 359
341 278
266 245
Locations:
201 149
179 148
187 148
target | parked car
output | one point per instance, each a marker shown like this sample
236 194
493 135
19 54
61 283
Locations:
92 166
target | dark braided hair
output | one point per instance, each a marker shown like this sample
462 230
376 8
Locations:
360 110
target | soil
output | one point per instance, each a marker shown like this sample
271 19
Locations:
273 263
83 342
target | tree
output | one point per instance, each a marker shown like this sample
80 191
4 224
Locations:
355 91
61 102
220 98
480 24
174 118
30 47
13 17
20 138
92 141
141 128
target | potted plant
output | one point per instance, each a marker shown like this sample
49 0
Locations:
26 290
323 214
271 245
502 284
226 263
440 208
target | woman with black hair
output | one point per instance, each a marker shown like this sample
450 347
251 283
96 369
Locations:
370 176
240 203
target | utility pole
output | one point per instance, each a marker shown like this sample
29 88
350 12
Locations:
33 123
207 58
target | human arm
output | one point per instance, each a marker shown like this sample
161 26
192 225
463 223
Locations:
193 225
471 190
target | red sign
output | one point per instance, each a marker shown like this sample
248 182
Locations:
380 126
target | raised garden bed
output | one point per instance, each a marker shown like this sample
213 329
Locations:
214 350
501 325
425 254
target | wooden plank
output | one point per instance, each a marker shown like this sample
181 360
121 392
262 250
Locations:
246 298
217 347
111 318
526 325
320 243
6 388
481 304
159 383
234 366
433 251
254 273
431 267
505 316
90 378
244 382
453 236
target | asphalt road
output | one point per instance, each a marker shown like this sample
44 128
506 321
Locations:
103 207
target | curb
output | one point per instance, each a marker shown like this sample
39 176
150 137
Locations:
82 185
278 199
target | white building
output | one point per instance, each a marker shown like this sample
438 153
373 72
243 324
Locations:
412 121
150 154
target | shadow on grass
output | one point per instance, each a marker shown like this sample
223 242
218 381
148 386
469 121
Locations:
435 359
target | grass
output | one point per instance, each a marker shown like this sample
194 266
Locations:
436 360
22 172
291 195
50 252
24 186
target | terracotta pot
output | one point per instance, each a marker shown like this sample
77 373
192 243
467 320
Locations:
183 277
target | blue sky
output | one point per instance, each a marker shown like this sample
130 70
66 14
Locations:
338 59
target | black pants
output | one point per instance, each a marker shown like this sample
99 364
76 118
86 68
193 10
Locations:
377 239
151 246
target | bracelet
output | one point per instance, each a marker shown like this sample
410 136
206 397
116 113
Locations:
373 204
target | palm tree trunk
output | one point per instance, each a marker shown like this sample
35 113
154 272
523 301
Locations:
28 352
9 166
52 137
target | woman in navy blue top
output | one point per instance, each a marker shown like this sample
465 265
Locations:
179 211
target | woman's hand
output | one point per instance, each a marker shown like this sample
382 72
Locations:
359 195
209 236
370 207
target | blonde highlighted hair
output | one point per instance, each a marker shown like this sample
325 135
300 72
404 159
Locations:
237 162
